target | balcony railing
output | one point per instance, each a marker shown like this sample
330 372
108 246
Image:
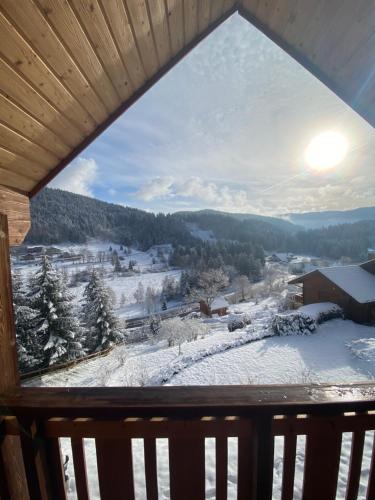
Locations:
186 416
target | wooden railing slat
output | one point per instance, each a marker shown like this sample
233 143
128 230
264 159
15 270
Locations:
56 470
356 454
187 468
322 461
221 455
34 459
246 464
115 469
80 471
289 465
264 457
151 468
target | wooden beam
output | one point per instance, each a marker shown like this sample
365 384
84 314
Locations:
16 207
10 449
113 402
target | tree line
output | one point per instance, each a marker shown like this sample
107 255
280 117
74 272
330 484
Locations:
344 240
233 257
59 216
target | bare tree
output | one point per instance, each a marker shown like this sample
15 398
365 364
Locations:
139 294
152 298
243 286
176 331
210 283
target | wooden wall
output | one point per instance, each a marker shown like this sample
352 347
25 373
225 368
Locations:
16 207
317 288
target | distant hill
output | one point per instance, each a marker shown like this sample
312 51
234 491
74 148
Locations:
59 216
276 221
313 220
62 217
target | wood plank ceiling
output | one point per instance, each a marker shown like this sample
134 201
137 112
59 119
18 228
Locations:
68 68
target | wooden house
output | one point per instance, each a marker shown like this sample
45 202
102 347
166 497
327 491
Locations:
68 70
218 306
351 287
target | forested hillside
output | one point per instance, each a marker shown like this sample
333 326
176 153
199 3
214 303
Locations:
59 216
344 240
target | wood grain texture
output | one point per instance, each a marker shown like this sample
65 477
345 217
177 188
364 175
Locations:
21 56
37 31
117 18
115 469
17 207
112 402
31 128
67 27
151 468
10 450
91 18
187 468
25 96
322 460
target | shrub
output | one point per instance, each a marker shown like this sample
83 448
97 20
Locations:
306 319
237 321
293 324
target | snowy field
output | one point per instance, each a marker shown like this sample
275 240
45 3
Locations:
246 356
148 267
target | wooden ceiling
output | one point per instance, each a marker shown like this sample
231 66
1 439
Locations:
69 68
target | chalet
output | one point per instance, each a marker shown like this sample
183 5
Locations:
218 306
351 287
68 71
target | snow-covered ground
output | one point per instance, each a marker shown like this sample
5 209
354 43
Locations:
338 351
148 267
246 356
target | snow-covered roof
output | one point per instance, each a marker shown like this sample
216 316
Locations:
219 303
354 280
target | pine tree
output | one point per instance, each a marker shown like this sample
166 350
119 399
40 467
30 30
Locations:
29 335
55 315
98 316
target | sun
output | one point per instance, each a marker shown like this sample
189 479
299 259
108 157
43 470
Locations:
326 150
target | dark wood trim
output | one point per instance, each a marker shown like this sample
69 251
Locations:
129 102
304 61
8 352
113 402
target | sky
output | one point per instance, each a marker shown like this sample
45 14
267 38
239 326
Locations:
227 129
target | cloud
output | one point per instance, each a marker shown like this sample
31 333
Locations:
79 177
195 191
156 188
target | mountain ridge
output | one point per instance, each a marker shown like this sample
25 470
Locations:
324 218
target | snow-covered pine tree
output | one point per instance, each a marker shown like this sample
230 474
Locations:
98 316
56 317
29 334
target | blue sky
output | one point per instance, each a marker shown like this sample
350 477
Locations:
227 129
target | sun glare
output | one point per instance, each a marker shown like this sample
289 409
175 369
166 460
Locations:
326 150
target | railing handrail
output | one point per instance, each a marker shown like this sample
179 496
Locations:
188 401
